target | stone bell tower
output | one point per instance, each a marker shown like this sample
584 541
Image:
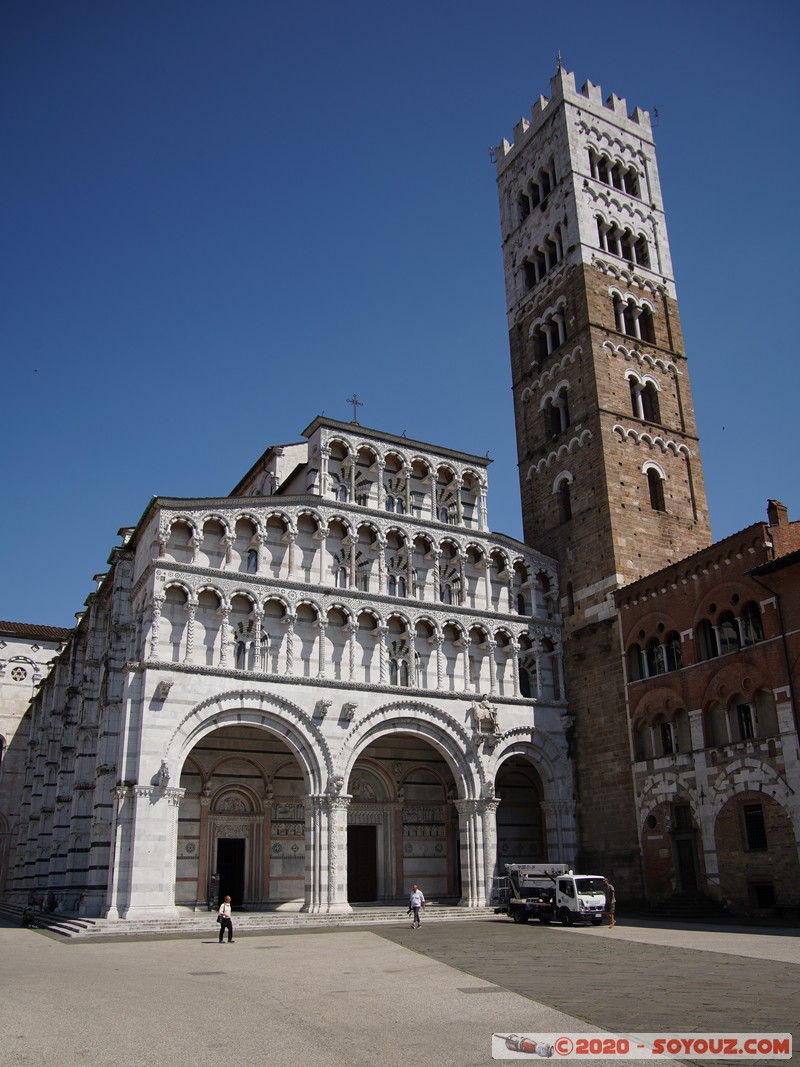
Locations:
609 461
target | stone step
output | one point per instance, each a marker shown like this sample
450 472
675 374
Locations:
194 923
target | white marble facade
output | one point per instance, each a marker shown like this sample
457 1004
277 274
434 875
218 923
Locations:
326 686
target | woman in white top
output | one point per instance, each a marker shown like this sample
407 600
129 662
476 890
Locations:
225 921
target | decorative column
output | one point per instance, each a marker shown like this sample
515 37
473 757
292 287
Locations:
223 614
380 468
191 610
537 663
155 625
513 655
202 890
321 537
352 479
291 537
483 521
459 505
438 642
324 456
321 628
473 894
407 487
437 592
326 854
261 540
490 650
288 622
195 541
351 629
489 808
380 632
380 541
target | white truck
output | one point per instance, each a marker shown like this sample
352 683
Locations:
547 892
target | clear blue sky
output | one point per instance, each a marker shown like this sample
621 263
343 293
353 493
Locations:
219 220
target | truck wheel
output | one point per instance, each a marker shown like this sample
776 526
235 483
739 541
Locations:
565 917
545 919
520 916
597 922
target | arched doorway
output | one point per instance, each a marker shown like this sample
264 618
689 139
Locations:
402 824
241 822
520 828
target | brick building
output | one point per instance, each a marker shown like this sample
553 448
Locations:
610 472
711 650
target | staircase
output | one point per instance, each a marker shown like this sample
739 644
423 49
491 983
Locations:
195 924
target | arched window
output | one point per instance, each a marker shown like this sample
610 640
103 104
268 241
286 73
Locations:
393 672
526 689
399 506
401 586
564 501
752 630
706 640
241 656
655 485
341 577
521 607
728 633
673 648
443 515
341 493
390 503
667 739
252 561
446 593
650 407
392 585
745 720
655 658
635 667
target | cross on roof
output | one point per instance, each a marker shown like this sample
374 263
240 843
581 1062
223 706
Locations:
356 405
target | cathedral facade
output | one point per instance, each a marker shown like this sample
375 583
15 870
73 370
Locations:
310 693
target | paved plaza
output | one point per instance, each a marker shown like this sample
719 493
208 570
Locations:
379 995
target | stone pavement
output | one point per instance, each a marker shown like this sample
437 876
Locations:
382 995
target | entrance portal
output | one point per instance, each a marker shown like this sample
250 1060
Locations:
362 863
230 864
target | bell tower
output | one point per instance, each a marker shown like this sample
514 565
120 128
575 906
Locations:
610 473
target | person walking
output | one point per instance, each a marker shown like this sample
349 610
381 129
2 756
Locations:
416 901
611 902
224 919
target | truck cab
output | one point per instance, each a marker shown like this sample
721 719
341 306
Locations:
580 898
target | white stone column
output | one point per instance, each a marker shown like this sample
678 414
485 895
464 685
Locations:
223 614
324 456
490 650
288 622
351 629
191 610
326 855
473 870
380 468
438 641
155 625
321 657
489 820
145 854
